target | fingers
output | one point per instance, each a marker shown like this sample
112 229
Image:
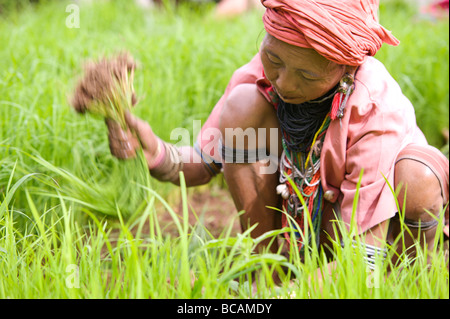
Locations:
142 129
122 143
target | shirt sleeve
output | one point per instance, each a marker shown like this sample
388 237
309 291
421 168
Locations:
378 122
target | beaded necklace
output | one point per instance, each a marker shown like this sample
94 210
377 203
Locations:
300 160
300 163
303 169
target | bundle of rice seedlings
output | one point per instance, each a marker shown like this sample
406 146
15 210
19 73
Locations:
107 88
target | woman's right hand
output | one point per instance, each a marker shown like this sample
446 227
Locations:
124 143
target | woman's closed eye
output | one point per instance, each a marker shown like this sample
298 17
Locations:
307 76
274 60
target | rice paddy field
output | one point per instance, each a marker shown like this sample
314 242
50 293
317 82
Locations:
77 223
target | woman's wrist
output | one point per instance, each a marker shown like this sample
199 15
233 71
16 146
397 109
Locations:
167 165
157 158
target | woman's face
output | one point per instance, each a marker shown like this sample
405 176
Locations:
297 74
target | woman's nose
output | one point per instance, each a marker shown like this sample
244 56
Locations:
286 85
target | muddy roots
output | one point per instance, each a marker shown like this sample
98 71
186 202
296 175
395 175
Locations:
106 88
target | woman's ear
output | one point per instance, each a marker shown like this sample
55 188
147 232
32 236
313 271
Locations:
351 69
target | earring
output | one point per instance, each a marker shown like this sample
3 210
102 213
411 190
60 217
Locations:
344 91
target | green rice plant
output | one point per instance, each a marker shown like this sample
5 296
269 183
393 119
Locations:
348 275
65 259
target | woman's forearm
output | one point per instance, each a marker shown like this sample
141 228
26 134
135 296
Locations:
194 170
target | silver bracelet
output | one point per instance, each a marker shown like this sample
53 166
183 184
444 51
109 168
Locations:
371 253
171 165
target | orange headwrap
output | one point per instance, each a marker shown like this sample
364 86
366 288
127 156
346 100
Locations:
343 31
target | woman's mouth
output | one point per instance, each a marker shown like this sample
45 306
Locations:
289 98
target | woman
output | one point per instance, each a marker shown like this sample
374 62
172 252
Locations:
317 100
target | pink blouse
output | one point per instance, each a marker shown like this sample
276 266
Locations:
378 122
